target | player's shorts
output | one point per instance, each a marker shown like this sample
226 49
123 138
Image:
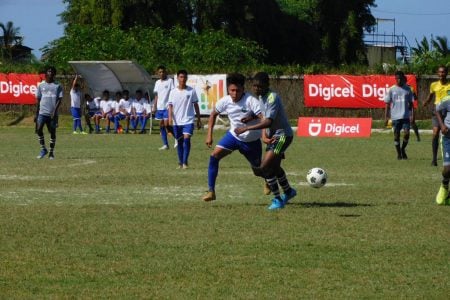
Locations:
251 150
120 116
446 150
162 114
76 113
180 130
52 123
282 142
398 125
435 122
91 113
98 113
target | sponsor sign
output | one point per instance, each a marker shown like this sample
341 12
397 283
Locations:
345 91
19 88
209 90
334 127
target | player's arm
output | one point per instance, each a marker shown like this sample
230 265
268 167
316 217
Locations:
211 123
197 113
264 123
155 102
74 82
429 98
387 110
438 115
170 109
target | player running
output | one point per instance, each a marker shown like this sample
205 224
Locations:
241 108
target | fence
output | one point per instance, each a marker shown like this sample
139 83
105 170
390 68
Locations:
289 88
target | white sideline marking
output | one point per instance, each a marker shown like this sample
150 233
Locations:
82 162
23 177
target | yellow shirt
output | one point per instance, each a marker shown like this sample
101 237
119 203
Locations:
440 90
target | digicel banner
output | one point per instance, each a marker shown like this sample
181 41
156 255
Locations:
345 91
19 88
334 127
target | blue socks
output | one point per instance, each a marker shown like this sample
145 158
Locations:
213 171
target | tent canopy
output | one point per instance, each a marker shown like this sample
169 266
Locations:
113 76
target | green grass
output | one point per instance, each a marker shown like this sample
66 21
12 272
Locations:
112 217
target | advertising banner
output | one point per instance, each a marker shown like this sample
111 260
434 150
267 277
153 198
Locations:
346 91
209 89
19 88
334 127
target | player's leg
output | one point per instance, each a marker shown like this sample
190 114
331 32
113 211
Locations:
188 132
51 126
162 128
170 131
87 119
224 147
435 140
396 124
442 195
75 118
416 130
406 130
40 122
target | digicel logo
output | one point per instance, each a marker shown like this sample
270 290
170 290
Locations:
334 127
332 91
17 89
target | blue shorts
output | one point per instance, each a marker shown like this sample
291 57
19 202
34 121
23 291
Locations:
162 114
179 130
120 116
91 113
398 125
282 142
76 112
446 150
251 150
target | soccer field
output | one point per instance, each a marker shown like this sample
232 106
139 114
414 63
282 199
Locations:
112 217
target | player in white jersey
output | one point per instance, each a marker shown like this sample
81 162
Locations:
106 110
183 108
241 108
138 112
162 88
75 106
123 111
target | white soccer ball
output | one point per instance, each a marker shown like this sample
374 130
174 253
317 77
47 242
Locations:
316 177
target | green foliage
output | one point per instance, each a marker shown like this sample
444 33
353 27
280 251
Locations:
210 51
428 55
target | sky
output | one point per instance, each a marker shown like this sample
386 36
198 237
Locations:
413 18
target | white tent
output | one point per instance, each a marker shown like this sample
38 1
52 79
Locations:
114 76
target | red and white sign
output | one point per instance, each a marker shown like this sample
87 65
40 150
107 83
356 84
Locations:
334 127
345 91
19 88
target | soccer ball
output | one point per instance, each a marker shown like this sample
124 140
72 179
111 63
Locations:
316 177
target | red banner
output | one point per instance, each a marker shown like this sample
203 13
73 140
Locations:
334 127
19 88
345 91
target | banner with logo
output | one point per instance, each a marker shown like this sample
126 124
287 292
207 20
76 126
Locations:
209 89
19 88
334 127
345 91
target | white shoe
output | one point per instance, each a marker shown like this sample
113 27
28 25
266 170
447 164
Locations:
165 147
175 144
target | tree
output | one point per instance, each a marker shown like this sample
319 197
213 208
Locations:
10 37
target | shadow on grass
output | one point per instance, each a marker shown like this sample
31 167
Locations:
329 204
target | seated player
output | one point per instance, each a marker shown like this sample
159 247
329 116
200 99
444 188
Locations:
124 111
90 109
106 106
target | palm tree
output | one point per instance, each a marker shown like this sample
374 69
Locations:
440 44
9 38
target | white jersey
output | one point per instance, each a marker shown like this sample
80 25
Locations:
139 105
246 106
182 102
94 104
106 106
162 89
125 105
148 108
75 98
